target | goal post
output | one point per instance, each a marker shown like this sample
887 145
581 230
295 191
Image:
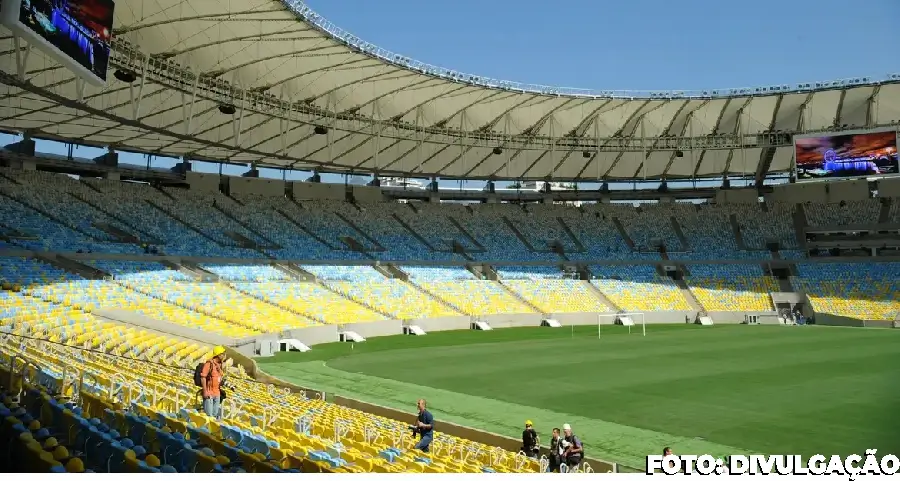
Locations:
627 319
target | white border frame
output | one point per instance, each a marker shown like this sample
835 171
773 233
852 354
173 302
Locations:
614 315
9 17
794 170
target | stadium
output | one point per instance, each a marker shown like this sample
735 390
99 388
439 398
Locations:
692 269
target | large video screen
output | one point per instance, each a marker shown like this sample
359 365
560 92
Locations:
846 155
80 30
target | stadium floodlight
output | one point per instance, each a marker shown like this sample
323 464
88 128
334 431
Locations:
627 319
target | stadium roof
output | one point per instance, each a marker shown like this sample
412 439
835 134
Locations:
288 73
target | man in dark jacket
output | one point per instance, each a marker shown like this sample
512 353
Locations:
555 451
531 442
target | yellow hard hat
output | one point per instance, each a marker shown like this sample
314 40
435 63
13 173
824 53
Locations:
529 423
218 350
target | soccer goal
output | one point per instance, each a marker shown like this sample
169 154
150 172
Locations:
627 319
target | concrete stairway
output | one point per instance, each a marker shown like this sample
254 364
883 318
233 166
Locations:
736 230
622 232
269 244
354 300
413 233
800 225
515 230
520 298
676 227
884 217
361 232
306 231
137 232
71 265
600 295
183 222
52 217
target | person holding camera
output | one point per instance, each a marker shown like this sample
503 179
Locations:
424 427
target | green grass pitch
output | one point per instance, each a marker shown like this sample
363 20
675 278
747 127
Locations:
700 389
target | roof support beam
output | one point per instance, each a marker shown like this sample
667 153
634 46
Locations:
686 131
579 131
489 126
872 107
225 16
714 131
737 133
838 114
765 161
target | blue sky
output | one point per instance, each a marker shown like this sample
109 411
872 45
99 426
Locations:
621 44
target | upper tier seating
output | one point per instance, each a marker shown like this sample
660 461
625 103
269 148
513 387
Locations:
433 223
599 236
139 205
280 220
638 288
651 222
845 213
858 290
758 226
486 224
731 287
247 273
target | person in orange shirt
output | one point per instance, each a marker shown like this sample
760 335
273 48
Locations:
211 381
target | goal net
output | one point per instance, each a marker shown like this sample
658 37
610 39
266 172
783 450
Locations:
631 320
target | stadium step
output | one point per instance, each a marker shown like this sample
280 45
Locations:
736 230
466 233
306 231
676 227
884 217
413 232
515 230
361 232
800 225
521 299
71 265
623 233
575 240
354 300
689 296
600 295
200 272
136 232
52 217
269 243
435 297
181 221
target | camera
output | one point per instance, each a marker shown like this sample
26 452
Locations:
413 430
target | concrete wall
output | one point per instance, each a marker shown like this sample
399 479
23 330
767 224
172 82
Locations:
731 317
314 335
849 190
365 194
203 182
799 193
512 320
133 319
737 196
375 329
312 190
889 187
249 185
835 320
450 323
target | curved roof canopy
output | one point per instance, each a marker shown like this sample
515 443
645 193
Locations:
307 96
